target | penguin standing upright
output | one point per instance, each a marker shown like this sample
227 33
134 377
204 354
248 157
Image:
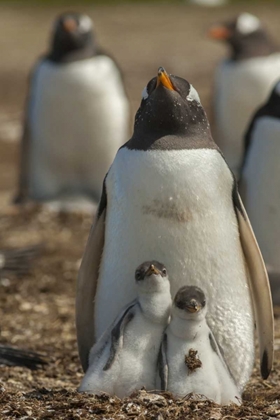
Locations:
242 82
77 117
125 357
170 194
260 178
190 359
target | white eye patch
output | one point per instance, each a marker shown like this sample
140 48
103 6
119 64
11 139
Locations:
193 95
247 23
145 94
85 24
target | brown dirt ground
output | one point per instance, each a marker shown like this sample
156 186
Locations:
37 311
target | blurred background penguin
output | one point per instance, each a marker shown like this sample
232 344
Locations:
76 117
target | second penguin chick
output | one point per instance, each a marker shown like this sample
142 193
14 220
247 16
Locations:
124 358
190 359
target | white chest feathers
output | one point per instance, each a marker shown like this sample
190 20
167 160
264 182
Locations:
176 207
135 355
261 187
194 366
78 118
240 88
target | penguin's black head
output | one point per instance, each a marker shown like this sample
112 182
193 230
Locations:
190 299
170 107
72 37
245 35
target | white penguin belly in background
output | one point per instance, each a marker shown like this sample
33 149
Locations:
125 357
190 360
240 87
173 214
78 120
261 183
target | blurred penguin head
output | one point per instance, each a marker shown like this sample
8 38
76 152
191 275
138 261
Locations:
72 32
245 35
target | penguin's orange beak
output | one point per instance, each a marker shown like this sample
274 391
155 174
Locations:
163 79
70 25
219 32
152 270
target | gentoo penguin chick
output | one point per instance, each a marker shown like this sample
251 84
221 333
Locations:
76 119
124 358
260 179
190 359
169 193
242 82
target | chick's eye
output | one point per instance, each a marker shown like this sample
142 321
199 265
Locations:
164 272
138 275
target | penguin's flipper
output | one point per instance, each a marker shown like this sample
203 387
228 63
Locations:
259 286
87 283
117 333
162 364
23 187
219 351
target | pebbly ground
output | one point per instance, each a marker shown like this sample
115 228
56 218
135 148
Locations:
37 310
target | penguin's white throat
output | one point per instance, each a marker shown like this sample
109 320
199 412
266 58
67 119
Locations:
185 324
156 306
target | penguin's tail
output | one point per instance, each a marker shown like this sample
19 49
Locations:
16 357
19 260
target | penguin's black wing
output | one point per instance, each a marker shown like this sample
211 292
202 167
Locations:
259 285
162 364
87 282
18 260
219 351
248 135
16 357
117 332
23 187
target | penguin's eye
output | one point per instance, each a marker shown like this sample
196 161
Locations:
164 272
138 275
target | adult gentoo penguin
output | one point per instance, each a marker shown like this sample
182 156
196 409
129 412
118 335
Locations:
170 194
242 81
77 116
260 178
124 359
190 359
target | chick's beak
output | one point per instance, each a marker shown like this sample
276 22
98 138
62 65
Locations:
70 25
163 79
152 270
219 32
194 306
